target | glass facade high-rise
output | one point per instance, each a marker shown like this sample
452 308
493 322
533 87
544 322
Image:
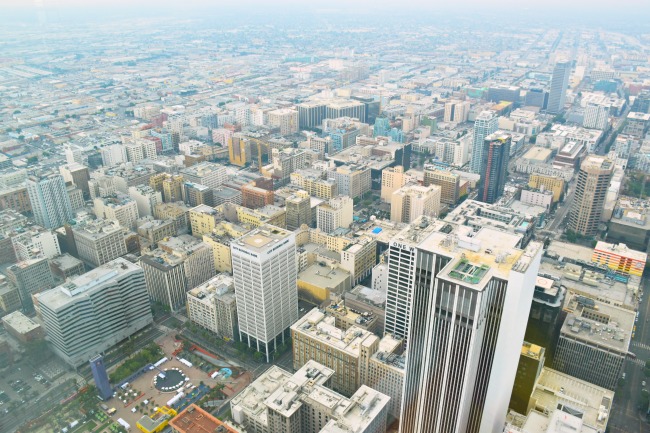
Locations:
101 377
486 123
559 83
494 167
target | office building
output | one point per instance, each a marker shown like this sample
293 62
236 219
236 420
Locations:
591 189
146 199
205 173
504 92
65 266
637 124
594 341
456 111
549 183
154 230
77 174
460 299
49 200
336 213
345 108
318 284
286 119
302 402
531 362
35 242
265 273
386 372
358 257
212 305
392 179
30 277
559 83
298 210
195 194
93 312
22 327
76 197
219 240
272 215
203 220
545 314
619 258
177 212
351 180
99 242
596 116
9 296
254 197
412 201
494 168
347 352
177 265
120 208
485 124
446 179
310 114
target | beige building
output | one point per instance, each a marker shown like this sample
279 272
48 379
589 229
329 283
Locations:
98 242
412 201
203 220
315 185
303 403
156 230
284 118
591 189
269 214
386 372
120 208
317 283
219 240
351 180
336 213
315 336
178 264
212 305
448 181
359 257
177 212
9 296
550 183
392 179
298 208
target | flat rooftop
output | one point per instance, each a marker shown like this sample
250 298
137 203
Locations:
537 153
597 323
555 388
196 420
320 326
324 276
21 323
263 237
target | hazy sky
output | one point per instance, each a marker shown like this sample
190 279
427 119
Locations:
626 15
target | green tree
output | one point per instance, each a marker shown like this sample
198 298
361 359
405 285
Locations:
258 356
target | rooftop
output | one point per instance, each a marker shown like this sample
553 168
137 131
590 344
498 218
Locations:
263 238
597 323
90 281
320 326
554 388
196 420
21 323
324 276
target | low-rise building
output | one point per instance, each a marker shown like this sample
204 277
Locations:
213 306
302 403
22 327
315 336
318 282
620 258
99 241
65 266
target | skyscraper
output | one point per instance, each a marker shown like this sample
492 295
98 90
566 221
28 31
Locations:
591 190
486 123
559 83
461 300
265 273
494 167
50 201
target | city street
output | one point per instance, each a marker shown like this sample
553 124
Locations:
625 415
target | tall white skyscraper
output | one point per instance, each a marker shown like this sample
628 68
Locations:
486 123
559 83
50 201
265 273
461 300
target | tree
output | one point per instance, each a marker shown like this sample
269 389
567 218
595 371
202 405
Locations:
258 356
